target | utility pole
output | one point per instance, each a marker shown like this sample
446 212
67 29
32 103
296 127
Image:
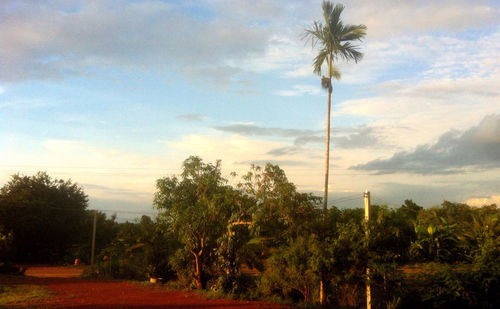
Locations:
366 196
93 238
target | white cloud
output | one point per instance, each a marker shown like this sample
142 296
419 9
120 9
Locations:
192 117
38 103
299 90
481 201
62 146
245 123
478 148
45 41
389 18
411 114
460 90
235 147
300 71
420 57
285 53
115 174
53 41
237 152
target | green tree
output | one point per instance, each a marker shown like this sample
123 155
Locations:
391 232
335 40
280 213
198 207
139 250
435 241
338 254
107 229
45 216
5 246
409 211
238 247
290 269
482 233
330 252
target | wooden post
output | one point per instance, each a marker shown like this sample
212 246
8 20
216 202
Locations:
367 219
93 238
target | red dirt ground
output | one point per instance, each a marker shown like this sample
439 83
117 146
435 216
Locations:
71 292
52 271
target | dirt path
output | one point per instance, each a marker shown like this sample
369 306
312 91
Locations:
53 271
79 293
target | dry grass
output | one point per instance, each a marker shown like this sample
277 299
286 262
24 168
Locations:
14 294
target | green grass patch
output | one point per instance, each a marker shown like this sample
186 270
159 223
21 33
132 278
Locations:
12 294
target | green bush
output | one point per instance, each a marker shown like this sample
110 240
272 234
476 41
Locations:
457 286
235 284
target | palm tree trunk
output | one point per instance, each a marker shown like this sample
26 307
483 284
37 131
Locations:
327 159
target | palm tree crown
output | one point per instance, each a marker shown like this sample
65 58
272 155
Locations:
335 39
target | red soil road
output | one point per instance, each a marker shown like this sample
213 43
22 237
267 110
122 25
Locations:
83 294
52 271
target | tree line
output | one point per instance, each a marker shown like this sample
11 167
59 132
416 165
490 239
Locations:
263 239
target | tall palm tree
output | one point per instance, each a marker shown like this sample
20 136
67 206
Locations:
335 43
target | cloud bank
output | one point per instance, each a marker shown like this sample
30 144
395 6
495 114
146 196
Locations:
477 147
47 41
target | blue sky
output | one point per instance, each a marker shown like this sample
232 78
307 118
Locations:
116 94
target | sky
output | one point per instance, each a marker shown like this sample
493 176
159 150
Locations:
116 94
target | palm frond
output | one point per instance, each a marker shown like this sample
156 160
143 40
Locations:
353 32
350 52
335 73
327 10
315 33
319 60
332 14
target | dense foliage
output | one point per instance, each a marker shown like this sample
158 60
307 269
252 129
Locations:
44 216
262 239
138 251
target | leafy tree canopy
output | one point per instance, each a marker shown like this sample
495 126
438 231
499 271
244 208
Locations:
198 206
44 215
